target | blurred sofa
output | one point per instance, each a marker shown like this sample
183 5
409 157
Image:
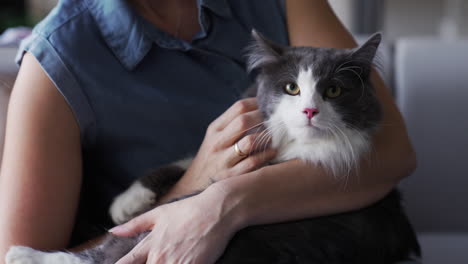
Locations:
429 78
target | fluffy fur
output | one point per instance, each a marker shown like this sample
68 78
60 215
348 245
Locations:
330 142
336 138
340 134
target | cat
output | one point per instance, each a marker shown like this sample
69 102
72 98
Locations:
319 106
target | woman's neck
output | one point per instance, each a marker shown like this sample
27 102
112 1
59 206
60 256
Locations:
176 17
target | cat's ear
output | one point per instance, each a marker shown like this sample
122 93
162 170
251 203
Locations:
365 53
262 52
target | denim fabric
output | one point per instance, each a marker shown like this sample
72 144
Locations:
141 97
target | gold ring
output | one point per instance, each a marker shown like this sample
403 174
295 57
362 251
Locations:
238 151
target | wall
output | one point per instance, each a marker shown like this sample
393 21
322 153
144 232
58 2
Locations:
38 9
344 11
404 18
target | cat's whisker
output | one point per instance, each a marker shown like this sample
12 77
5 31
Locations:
265 135
252 127
370 147
338 80
364 138
352 61
360 78
339 168
279 129
272 129
257 126
342 64
259 138
352 160
350 67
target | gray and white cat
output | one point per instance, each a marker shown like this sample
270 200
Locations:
319 106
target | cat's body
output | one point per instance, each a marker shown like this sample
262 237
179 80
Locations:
319 106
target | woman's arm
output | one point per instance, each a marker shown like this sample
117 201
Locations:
294 189
41 170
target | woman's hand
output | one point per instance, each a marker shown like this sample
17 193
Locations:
217 158
194 230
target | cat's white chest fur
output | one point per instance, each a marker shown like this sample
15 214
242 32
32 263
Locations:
338 154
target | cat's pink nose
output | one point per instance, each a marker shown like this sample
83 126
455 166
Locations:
310 112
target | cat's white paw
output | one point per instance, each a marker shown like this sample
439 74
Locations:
22 255
134 201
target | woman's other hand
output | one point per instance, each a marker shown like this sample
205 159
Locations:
217 158
194 230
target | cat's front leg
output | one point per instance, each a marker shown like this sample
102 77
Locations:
25 255
143 194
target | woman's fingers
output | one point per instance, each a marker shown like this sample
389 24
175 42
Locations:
254 162
238 108
135 226
246 146
237 128
216 155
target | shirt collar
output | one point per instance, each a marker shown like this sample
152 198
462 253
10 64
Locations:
121 29
124 31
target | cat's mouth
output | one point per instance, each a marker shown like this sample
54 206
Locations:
312 129
309 124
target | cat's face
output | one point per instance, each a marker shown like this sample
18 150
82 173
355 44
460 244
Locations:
309 95
306 107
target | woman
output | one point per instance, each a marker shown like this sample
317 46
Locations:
109 89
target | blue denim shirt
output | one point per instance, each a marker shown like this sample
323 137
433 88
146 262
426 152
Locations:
141 97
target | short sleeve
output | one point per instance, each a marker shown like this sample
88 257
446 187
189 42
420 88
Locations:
65 82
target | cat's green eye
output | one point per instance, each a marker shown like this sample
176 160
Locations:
333 91
292 89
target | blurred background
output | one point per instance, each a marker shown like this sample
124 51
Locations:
395 18
424 61
23 12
